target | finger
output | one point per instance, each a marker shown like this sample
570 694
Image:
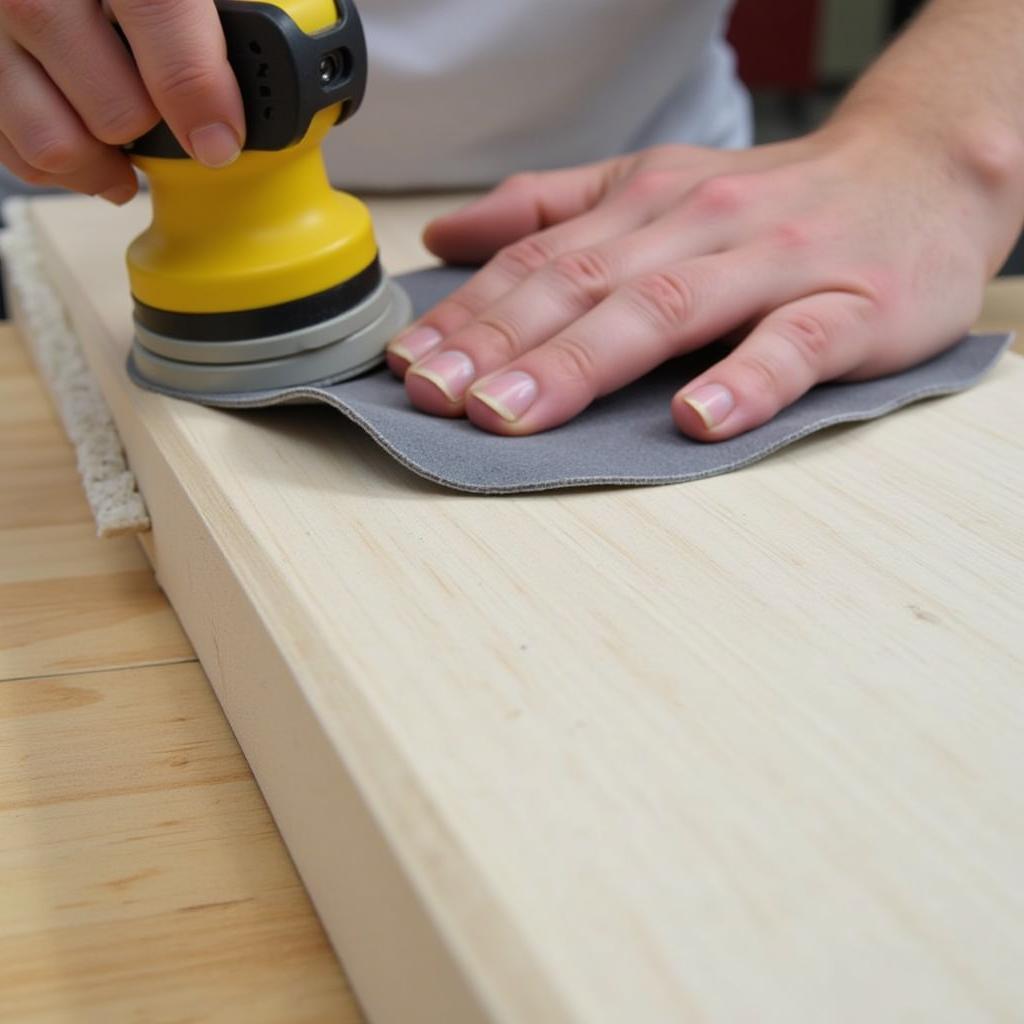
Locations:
35 117
631 207
11 159
522 205
47 134
799 345
85 59
547 302
118 195
181 54
502 274
643 323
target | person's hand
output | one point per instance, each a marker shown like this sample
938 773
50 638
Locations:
70 93
845 255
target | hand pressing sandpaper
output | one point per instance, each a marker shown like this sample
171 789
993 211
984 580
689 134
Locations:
626 438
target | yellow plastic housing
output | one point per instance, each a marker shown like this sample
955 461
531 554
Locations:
266 230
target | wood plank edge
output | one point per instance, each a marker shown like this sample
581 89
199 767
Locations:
411 954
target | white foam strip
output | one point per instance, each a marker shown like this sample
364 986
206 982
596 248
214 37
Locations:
110 485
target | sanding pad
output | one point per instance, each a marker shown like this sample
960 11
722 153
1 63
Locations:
625 438
327 352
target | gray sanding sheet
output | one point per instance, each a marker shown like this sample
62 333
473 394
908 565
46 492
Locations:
626 438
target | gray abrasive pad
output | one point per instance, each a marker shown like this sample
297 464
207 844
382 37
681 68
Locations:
625 438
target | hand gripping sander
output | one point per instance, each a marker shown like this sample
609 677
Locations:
260 275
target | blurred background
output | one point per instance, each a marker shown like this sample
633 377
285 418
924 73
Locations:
798 56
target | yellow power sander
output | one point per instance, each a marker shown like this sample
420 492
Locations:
260 275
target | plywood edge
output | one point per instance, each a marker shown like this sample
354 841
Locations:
413 950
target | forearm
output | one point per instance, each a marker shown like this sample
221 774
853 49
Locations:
958 58
952 86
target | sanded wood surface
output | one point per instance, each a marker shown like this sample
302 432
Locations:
141 875
739 750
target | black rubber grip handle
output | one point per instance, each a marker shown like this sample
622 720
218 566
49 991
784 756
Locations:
286 77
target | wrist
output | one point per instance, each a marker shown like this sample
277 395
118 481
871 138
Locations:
974 165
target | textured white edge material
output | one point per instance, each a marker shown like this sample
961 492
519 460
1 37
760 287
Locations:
110 486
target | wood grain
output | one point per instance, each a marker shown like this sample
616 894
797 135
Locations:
141 875
35 451
747 748
143 878
68 601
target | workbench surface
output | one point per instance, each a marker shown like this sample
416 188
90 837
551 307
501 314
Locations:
149 881
141 875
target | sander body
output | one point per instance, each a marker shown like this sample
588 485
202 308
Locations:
260 275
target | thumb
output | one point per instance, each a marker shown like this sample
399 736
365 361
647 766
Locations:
520 206
182 58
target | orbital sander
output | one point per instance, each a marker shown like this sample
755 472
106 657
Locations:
260 275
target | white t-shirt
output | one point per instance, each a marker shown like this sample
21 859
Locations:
466 92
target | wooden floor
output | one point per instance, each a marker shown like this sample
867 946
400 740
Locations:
141 875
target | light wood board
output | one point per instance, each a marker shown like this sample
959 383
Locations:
141 876
741 750
67 603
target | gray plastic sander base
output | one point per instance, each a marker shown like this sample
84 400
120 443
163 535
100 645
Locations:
324 353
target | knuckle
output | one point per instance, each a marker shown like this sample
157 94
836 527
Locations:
152 13
185 80
454 311
118 125
765 377
503 337
651 182
584 275
53 153
463 305
791 236
666 299
524 257
573 362
31 17
721 196
808 335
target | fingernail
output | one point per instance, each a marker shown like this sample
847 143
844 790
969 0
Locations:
509 394
452 372
412 347
712 403
215 145
118 195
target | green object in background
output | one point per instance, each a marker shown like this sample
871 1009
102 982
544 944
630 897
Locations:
853 33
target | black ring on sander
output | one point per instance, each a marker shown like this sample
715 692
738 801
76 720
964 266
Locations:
263 321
